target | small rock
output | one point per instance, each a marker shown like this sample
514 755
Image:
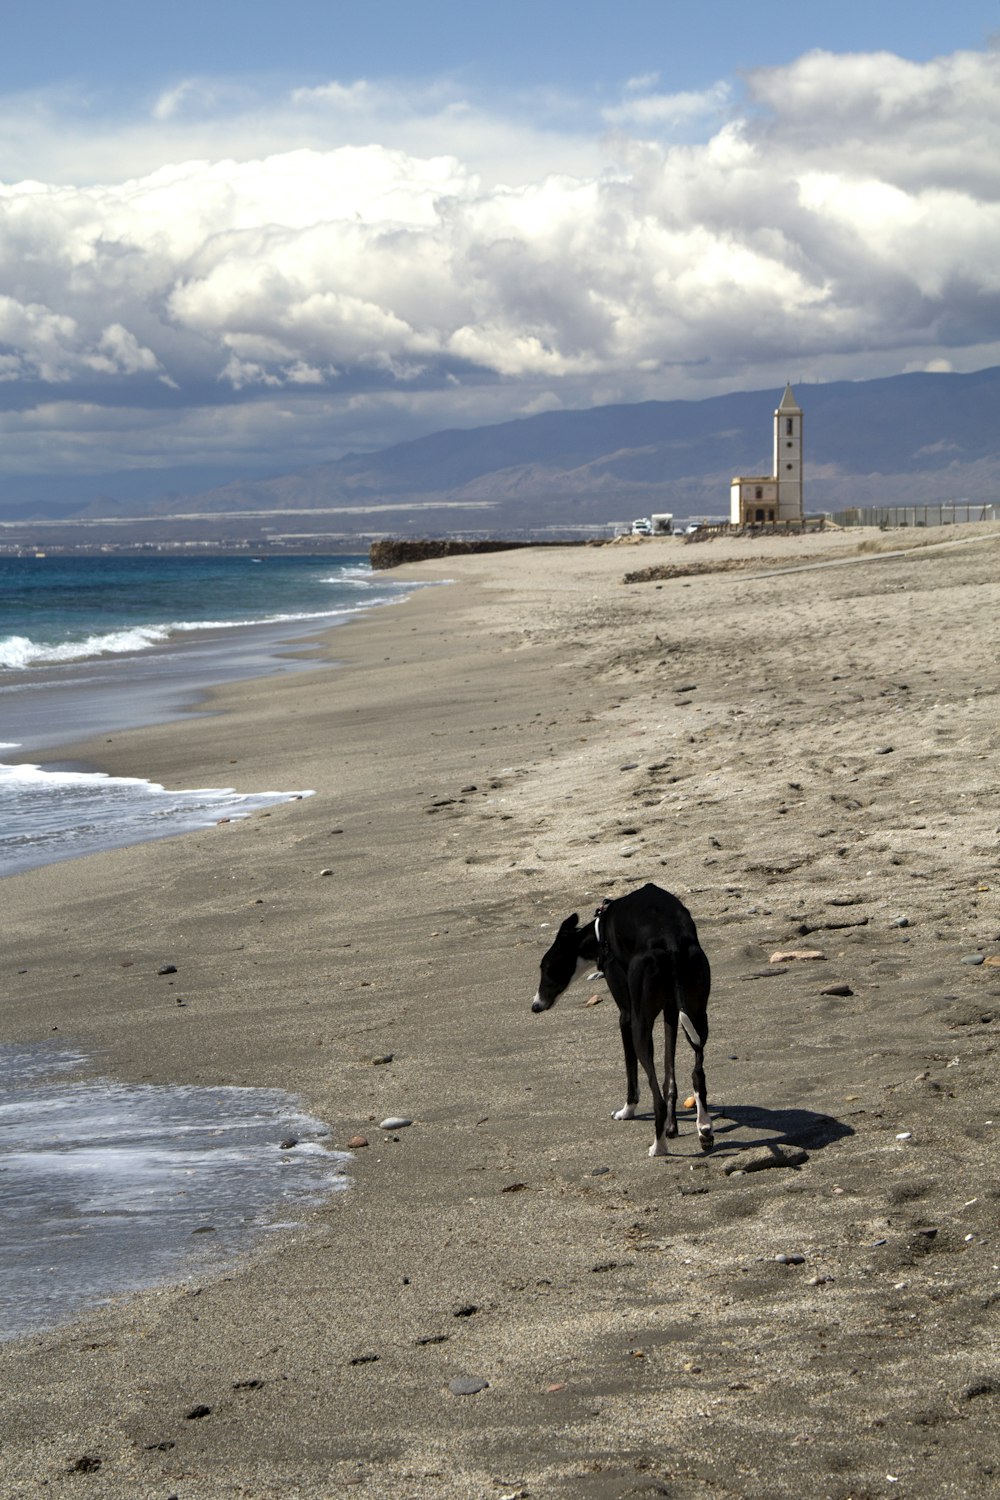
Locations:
594 1000
905 1135
467 1385
87 1463
167 969
356 1142
987 1387
796 955
837 989
467 1310
790 1260
198 1411
326 872
365 1359
288 1142
514 1187
900 922
630 765
884 750
394 1122
974 960
380 1062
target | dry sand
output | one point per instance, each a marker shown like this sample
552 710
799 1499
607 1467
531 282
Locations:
809 759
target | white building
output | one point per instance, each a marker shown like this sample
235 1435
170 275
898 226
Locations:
776 498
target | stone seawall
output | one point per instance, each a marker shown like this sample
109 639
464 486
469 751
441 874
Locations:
392 554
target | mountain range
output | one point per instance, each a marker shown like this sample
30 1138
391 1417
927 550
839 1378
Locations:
905 439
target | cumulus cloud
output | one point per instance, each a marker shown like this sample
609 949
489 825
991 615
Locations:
842 217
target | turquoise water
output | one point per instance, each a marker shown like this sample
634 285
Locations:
72 609
94 644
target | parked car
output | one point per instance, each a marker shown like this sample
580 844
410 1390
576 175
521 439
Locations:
642 526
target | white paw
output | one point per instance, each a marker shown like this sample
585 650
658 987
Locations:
627 1112
659 1147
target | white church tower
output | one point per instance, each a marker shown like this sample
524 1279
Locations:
774 499
788 458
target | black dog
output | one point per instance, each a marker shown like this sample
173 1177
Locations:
646 945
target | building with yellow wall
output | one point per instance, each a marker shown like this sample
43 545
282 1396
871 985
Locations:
774 499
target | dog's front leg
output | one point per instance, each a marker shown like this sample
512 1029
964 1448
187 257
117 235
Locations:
617 982
627 1112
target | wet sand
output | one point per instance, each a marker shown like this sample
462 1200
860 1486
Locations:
809 758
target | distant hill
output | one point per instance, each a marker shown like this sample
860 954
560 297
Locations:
917 438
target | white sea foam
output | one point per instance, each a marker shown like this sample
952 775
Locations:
108 1186
19 652
50 815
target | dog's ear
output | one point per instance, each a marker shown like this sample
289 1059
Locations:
570 924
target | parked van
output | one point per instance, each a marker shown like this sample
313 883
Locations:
642 526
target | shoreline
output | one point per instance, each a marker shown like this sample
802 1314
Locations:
723 734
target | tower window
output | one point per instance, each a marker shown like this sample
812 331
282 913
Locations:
758 493
789 429
788 466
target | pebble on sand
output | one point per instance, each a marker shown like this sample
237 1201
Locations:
467 1385
356 1142
796 955
394 1122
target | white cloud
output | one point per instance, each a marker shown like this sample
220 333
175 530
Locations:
846 219
646 110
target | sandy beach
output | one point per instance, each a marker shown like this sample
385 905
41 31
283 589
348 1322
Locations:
805 749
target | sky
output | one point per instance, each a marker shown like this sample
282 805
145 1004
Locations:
245 238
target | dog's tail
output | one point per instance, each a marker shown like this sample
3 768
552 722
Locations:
692 997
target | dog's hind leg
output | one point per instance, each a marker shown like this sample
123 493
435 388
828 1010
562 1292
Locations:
669 1070
645 991
698 1037
642 1033
617 983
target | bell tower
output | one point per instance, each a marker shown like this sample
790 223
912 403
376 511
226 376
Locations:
788 458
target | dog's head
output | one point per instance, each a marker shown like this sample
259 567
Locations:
560 965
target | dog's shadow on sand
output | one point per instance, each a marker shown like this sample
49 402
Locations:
776 1127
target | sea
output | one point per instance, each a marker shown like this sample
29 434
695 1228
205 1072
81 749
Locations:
107 1187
